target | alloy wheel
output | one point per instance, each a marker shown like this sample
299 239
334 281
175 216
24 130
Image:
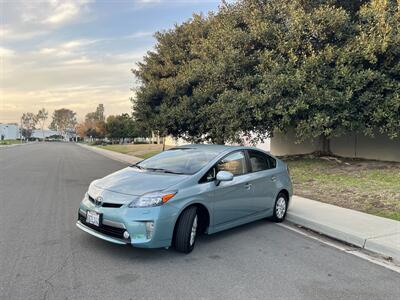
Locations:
280 208
193 231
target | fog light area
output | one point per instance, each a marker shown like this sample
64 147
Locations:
149 229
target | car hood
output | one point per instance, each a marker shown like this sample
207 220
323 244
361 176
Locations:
132 181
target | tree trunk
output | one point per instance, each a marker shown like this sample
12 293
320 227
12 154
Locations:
326 145
163 144
218 141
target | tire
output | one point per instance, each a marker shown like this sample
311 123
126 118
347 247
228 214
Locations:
188 221
281 202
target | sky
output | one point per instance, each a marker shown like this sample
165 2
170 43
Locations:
77 54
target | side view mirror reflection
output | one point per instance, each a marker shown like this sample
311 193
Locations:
224 176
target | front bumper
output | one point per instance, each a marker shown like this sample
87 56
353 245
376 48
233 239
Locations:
115 221
102 236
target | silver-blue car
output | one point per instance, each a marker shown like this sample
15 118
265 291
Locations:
170 198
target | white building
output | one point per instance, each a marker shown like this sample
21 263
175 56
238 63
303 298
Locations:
38 134
9 132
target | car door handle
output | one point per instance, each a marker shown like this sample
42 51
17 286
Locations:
248 186
273 178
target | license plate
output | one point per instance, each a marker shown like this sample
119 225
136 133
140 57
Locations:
93 218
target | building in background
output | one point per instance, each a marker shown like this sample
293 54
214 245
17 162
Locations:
38 134
9 132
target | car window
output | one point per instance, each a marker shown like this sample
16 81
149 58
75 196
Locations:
209 176
271 162
260 161
234 163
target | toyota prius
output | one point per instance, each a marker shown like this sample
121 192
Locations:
172 197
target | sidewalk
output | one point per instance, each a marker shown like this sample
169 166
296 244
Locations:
112 154
16 145
376 234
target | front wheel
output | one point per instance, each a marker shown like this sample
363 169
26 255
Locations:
186 230
280 208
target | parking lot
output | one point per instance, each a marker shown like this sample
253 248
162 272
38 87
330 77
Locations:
44 255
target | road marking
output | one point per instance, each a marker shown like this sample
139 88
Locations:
361 253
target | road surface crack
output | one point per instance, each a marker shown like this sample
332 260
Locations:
57 270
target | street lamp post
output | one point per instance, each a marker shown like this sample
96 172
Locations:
20 132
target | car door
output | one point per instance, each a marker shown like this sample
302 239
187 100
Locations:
232 199
263 179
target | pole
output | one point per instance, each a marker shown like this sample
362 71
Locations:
20 132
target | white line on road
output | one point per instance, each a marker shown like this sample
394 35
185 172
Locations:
343 247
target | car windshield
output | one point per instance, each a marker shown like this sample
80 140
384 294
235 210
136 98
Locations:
178 161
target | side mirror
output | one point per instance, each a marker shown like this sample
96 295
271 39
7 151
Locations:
224 176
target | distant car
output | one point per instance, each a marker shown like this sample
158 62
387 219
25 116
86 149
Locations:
171 198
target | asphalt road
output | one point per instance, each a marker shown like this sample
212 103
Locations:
44 256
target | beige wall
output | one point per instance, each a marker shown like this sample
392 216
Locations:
283 144
352 145
380 147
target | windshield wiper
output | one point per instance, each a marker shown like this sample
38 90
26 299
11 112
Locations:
164 171
137 166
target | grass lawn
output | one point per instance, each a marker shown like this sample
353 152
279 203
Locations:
10 142
138 150
368 186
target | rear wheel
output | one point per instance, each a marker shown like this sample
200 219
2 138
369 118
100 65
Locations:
280 208
186 230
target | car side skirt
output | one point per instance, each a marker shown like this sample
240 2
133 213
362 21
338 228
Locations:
241 221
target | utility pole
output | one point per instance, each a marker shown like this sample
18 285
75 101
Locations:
20 132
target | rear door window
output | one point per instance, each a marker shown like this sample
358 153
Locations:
260 161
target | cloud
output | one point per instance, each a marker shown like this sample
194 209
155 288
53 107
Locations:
8 34
82 99
77 43
139 34
47 50
67 49
79 80
52 71
149 1
29 19
4 52
64 11
80 60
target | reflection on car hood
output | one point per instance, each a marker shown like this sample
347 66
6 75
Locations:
132 181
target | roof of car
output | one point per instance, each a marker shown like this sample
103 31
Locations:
210 147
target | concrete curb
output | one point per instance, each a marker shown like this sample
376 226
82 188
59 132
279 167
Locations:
128 159
16 145
340 235
376 234
388 245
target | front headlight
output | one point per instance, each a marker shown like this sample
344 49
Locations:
153 199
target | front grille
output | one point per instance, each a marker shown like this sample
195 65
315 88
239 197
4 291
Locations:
105 229
105 204
115 205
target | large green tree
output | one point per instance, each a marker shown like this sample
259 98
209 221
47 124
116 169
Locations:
120 127
322 68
